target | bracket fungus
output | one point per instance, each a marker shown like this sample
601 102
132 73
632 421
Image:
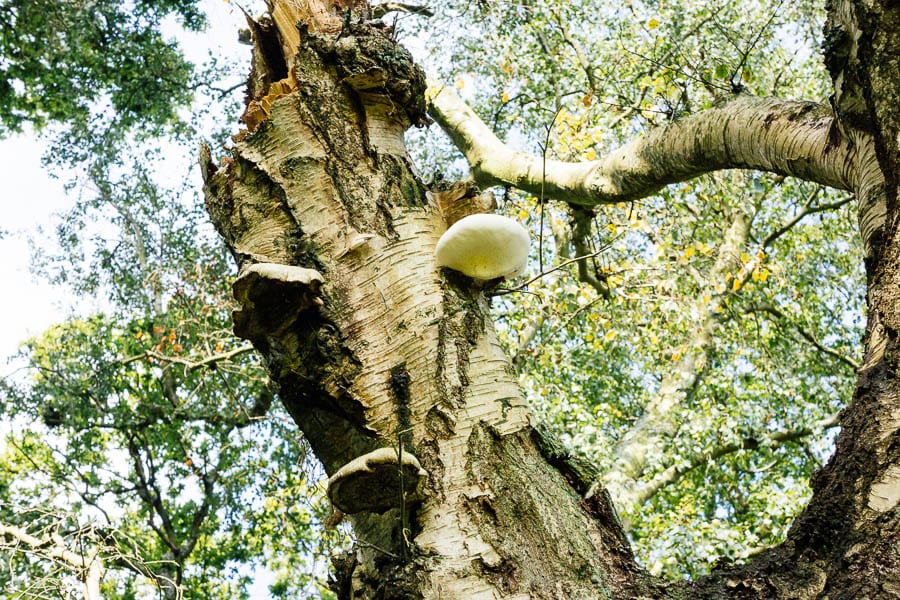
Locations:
484 246
372 482
272 296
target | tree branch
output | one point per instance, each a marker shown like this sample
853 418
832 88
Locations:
379 10
89 568
641 493
148 492
785 137
189 364
808 209
780 314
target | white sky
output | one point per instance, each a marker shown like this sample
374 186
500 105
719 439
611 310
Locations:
29 198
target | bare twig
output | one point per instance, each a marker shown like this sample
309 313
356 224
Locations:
191 365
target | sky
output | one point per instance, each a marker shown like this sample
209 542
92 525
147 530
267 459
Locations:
30 198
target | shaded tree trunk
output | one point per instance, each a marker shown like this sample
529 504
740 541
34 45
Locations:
374 347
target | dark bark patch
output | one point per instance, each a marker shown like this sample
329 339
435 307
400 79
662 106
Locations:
458 331
366 52
579 473
392 579
399 384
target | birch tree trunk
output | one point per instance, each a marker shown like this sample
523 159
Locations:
373 347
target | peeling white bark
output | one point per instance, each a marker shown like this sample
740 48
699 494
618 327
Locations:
786 137
885 494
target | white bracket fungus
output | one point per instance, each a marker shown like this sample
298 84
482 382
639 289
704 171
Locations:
484 246
372 482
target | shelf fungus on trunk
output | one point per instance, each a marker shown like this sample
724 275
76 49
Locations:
377 482
272 296
484 246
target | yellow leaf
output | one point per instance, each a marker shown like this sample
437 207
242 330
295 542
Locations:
652 24
745 258
736 285
590 154
504 97
689 252
761 274
761 255
612 228
460 83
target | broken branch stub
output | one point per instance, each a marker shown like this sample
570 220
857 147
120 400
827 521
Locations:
372 482
460 199
272 296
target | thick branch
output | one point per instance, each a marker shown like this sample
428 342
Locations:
785 137
88 567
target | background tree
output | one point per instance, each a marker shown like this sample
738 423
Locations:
146 438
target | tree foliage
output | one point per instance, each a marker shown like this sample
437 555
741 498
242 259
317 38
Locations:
64 60
755 343
144 419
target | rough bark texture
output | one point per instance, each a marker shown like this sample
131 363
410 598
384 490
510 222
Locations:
388 352
373 347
